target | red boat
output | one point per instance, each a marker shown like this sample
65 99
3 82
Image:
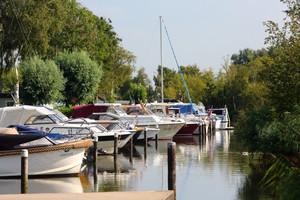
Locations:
188 129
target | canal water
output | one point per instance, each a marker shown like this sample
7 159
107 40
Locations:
208 168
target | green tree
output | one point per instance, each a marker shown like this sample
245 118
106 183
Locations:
137 93
26 27
82 76
8 81
41 82
282 77
116 72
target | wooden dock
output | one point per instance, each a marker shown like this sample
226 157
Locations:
162 195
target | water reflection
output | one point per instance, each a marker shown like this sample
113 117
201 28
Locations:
52 185
204 165
210 167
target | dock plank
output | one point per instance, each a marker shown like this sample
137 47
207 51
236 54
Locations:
149 195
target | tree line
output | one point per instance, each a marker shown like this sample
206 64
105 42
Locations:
39 29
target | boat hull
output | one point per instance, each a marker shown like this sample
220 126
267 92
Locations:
60 162
220 124
106 142
188 129
151 133
168 131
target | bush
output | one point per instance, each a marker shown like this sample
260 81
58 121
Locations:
249 125
42 82
82 76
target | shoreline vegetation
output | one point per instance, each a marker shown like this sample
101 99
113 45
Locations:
67 55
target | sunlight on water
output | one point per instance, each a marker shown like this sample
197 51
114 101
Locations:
208 167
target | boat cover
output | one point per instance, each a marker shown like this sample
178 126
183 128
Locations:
20 114
186 108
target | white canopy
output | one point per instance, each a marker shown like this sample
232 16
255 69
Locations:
20 114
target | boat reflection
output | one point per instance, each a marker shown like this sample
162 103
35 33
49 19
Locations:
50 185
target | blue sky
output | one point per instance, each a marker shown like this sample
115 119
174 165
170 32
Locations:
203 32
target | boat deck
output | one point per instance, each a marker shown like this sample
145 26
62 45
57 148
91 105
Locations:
162 195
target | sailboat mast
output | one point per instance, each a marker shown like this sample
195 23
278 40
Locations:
161 61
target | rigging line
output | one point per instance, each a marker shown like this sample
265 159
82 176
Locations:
179 69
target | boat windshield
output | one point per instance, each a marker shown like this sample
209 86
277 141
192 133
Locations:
56 118
117 110
40 119
97 128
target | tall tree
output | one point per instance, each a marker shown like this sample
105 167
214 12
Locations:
282 77
26 27
117 70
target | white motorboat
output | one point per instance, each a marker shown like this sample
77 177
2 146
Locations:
135 115
49 121
52 160
114 122
220 118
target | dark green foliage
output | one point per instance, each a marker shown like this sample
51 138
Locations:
250 189
82 75
41 82
289 187
66 110
282 78
245 56
137 93
8 81
250 124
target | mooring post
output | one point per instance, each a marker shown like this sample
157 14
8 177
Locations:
24 171
156 141
200 131
116 143
95 150
145 143
131 151
95 155
172 167
115 152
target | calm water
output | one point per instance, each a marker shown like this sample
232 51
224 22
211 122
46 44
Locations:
211 168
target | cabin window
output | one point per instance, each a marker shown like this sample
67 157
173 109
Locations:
41 119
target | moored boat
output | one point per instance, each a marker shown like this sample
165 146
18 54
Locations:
52 160
47 120
220 118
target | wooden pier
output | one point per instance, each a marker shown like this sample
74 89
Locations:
162 195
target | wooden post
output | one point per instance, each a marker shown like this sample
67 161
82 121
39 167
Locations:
95 155
95 150
172 167
156 141
116 143
115 152
200 132
24 171
131 151
145 143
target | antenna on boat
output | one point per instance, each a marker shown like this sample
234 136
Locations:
161 61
